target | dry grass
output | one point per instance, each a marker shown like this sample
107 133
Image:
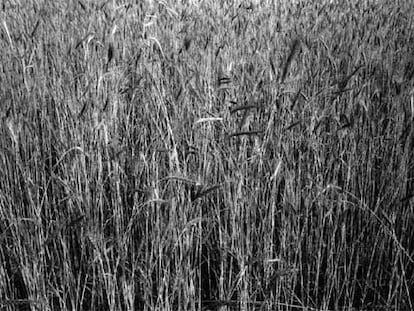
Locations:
172 156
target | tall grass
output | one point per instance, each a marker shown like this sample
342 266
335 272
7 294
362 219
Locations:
191 155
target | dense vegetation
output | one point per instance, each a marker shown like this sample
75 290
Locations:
187 155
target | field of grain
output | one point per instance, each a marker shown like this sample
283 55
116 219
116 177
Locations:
206 155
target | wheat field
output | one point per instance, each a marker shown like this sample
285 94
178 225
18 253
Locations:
206 155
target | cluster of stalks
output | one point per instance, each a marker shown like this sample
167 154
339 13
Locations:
202 155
